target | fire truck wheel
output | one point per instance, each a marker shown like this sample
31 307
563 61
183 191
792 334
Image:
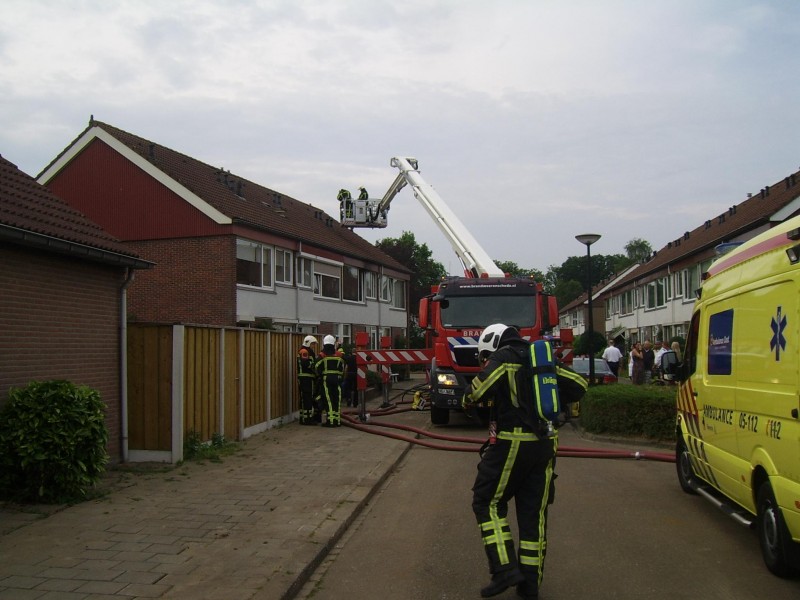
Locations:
439 416
683 463
773 535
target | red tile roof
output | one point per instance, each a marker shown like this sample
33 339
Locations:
30 214
735 221
252 204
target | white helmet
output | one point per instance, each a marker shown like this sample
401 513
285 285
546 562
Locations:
329 340
308 340
490 338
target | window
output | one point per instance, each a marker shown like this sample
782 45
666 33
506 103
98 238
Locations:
327 280
344 331
253 264
399 298
386 288
691 281
626 302
283 266
655 296
370 285
304 272
678 284
351 284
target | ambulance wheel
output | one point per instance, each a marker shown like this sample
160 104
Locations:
773 535
683 463
440 416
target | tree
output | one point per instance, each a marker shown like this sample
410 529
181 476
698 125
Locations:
638 250
417 257
514 270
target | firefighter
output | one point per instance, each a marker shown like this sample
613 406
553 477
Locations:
519 464
306 359
330 375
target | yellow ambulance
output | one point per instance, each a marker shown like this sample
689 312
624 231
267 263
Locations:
738 425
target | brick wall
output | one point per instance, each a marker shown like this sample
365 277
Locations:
59 319
194 281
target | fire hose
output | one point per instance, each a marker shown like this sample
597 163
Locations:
563 451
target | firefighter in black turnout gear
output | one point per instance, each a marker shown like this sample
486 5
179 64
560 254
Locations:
306 358
330 375
520 463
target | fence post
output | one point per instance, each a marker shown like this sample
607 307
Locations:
178 360
221 389
240 425
268 382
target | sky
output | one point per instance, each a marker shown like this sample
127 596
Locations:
534 120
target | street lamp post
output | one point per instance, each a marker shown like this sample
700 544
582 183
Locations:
589 239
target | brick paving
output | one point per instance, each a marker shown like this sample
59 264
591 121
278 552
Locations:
253 526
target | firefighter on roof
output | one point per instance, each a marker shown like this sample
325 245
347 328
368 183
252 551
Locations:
330 375
520 463
306 357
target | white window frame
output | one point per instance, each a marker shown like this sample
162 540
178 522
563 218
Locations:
359 284
399 293
266 271
305 272
370 285
286 259
326 276
387 288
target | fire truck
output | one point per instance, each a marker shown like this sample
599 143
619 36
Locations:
458 308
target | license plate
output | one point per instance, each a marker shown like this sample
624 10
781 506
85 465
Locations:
447 392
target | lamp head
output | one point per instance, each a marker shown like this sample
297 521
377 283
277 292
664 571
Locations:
588 238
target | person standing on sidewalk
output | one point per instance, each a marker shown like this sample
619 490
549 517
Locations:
306 358
330 375
648 360
520 463
612 356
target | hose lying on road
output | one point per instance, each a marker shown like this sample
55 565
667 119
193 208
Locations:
563 451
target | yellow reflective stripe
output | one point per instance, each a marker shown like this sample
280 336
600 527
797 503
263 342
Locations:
497 521
479 387
518 436
526 545
512 383
573 376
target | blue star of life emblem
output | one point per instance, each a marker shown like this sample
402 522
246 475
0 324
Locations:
778 342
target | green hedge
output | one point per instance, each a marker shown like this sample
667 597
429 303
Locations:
630 410
52 442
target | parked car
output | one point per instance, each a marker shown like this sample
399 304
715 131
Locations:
602 372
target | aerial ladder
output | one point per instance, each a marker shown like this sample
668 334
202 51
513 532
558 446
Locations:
373 212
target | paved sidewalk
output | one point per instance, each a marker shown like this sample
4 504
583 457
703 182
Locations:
253 526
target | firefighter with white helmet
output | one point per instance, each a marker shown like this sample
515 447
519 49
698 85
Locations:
306 378
520 462
330 375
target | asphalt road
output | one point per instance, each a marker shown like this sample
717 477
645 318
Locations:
619 529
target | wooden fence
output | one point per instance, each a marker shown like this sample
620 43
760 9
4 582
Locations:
230 382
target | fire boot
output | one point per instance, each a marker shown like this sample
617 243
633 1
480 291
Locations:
501 581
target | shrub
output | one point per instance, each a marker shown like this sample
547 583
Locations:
635 410
52 442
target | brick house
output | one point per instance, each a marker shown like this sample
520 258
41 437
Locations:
655 300
228 251
63 289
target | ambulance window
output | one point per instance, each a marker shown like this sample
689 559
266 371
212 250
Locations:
690 357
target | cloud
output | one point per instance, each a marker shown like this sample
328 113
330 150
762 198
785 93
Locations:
535 120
